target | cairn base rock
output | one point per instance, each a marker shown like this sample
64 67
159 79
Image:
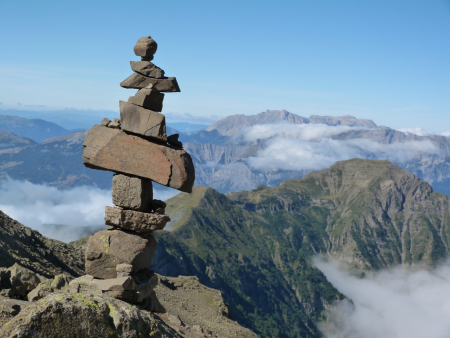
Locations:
69 316
108 248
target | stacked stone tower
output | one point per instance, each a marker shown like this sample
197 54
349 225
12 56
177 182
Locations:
135 148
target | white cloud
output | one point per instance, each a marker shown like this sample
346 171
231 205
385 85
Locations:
418 131
422 132
314 147
398 303
306 132
80 210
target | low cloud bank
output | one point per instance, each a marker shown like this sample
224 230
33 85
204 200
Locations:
422 132
312 147
398 303
65 215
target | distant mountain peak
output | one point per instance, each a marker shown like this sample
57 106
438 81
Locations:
230 125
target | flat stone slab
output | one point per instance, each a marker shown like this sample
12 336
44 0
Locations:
148 99
139 81
113 150
146 68
135 220
116 284
132 192
108 248
141 121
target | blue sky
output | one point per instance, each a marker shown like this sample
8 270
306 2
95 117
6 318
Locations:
383 60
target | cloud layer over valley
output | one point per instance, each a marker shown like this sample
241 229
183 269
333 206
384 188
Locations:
65 215
398 303
316 146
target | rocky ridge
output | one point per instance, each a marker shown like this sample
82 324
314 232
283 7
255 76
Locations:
255 246
39 299
42 255
9 140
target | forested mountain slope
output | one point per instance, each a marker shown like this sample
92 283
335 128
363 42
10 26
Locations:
256 245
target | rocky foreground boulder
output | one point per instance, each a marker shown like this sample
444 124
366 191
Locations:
82 316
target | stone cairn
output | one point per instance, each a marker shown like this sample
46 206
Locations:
135 148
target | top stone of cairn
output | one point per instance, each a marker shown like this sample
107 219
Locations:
146 47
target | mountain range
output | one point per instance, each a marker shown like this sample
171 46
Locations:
256 246
240 152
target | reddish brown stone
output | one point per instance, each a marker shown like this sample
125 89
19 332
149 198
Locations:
138 81
114 150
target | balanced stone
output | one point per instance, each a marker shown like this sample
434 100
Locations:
135 220
173 140
138 81
147 68
132 192
108 248
148 98
159 206
141 121
145 47
113 150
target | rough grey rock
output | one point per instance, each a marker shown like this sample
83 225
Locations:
132 192
145 47
143 122
111 149
196 305
81 316
116 284
148 99
145 289
84 285
23 280
58 284
139 81
108 248
90 286
147 68
124 268
135 220
173 140
10 308
114 124
105 122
